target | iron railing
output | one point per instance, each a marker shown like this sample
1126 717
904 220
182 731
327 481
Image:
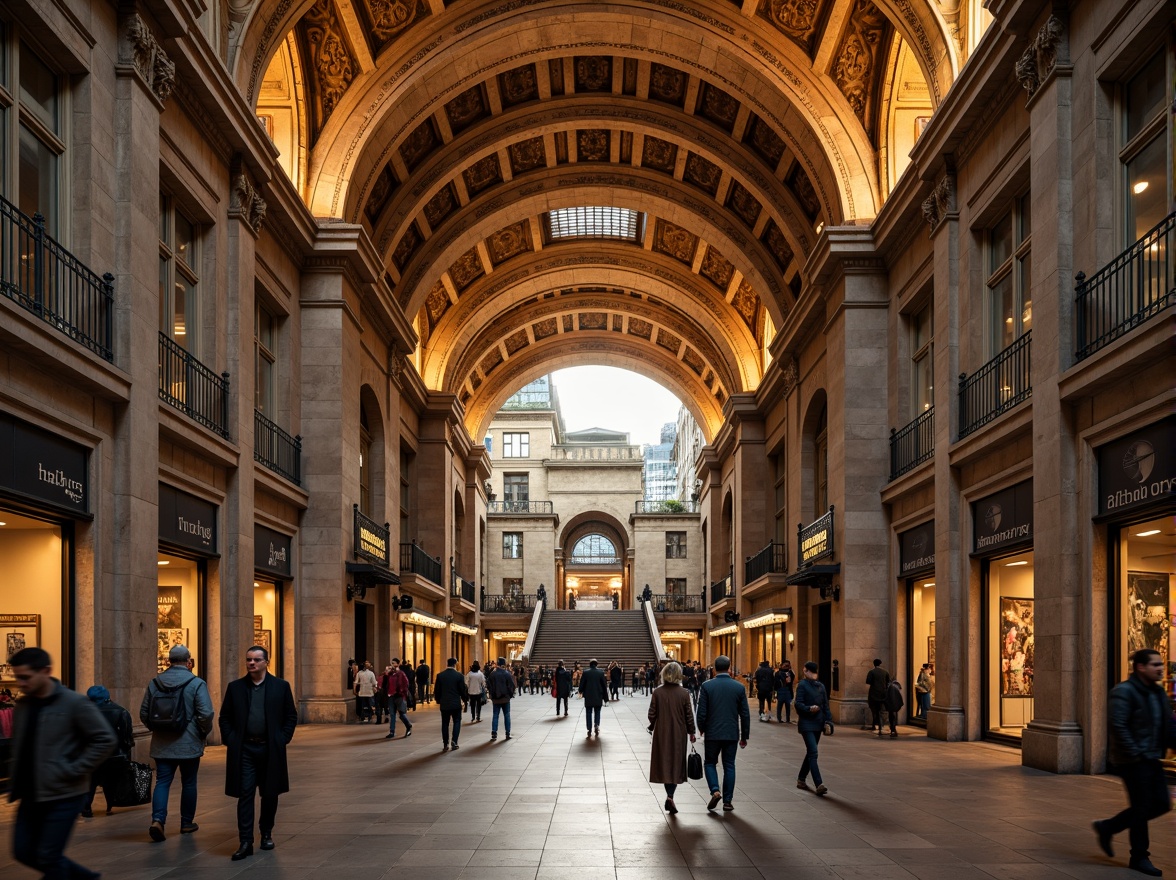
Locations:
1131 289
276 449
721 590
520 603
773 559
414 560
531 507
676 602
39 275
193 388
670 506
592 560
996 387
462 589
912 444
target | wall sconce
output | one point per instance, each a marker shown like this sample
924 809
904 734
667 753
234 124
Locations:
791 641
831 591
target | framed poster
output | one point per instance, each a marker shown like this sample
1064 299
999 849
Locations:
1016 646
264 638
930 649
1147 611
171 607
20 631
168 639
257 622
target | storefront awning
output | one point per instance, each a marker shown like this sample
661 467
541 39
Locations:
814 576
368 574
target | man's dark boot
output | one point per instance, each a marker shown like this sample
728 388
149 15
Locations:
243 851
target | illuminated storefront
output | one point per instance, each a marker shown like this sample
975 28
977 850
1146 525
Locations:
187 549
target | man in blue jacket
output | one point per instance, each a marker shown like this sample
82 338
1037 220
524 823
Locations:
724 718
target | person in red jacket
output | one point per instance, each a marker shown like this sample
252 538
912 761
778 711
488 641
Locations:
398 689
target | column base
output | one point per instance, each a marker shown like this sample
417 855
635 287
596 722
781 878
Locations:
1055 746
340 711
850 712
946 723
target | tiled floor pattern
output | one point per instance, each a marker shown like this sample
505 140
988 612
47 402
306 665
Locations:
551 804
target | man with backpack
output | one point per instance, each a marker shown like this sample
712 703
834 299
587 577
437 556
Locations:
178 711
501 688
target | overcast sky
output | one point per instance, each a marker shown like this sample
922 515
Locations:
608 397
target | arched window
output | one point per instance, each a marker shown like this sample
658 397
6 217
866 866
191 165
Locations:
595 550
821 466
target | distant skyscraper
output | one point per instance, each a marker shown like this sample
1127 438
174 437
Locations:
661 471
687 442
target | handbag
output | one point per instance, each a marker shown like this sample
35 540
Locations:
828 728
694 764
128 784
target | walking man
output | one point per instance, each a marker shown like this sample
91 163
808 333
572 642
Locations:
423 677
120 722
399 690
724 718
51 723
450 691
1139 716
812 714
878 680
365 692
563 687
501 688
177 710
594 690
784 681
763 689
257 722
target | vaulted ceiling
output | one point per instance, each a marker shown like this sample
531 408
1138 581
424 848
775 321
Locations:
451 129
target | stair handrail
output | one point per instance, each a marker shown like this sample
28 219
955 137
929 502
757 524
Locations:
651 623
533 632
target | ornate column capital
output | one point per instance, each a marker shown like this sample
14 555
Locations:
246 204
1040 59
139 50
941 202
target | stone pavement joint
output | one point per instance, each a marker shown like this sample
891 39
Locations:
553 805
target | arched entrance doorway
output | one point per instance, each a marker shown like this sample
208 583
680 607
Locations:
595 571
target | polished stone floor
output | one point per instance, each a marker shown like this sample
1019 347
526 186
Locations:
551 804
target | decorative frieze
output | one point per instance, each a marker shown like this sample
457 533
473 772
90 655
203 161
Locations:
142 51
1039 60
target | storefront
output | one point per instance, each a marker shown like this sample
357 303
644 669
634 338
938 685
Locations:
271 592
422 636
916 549
187 545
768 633
461 644
723 641
1002 525
44 491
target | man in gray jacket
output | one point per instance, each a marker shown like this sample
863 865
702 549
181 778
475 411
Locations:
177 749
58 739
724 719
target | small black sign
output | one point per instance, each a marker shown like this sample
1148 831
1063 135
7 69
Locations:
371 539
1138 470
1003 519
40 465
271 551
815 541
916 548
187 521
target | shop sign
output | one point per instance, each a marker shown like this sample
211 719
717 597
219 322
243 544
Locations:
186 520
1003 519
1138 470
41 465
815 541
371 539
271 551
916 549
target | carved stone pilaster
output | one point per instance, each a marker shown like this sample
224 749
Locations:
1039 60
246 204
941 201
138 49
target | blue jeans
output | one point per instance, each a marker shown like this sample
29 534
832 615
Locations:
589 712
504 708
811 738
40 834
449 716
924 704
165 771
397 706
784 704
713 749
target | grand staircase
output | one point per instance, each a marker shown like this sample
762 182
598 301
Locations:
579 636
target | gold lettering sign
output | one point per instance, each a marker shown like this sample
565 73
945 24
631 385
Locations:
372 543
814 545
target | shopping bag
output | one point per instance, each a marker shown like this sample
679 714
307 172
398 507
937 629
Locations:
127 784
694 764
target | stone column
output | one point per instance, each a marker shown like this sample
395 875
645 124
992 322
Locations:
753 522
1053 740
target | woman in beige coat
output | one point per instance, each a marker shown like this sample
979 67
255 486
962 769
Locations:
671 719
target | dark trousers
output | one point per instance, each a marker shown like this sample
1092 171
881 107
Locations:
563 700
784 705
811 738
876 707
423 692
363 708
450 716
765 699
1147 798
106 775
254 757
591 712
612 689
40 834
714 749
475 707
381 706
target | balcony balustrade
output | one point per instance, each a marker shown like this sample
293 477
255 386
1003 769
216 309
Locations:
912 444
721 590
277 450
463 589
773 559
533 508
676 602
414 560
193 388
518 603
667 507
996 387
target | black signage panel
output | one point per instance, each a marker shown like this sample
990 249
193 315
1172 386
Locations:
815 541
916 549
187 521
371 539
1138 470
271 551
1003 519
43 466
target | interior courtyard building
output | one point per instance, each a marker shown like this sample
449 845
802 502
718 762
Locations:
270 268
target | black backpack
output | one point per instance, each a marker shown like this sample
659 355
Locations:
166 710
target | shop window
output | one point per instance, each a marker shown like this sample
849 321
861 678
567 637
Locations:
512 545
267 621
1010 300
1011 644
921 607
179 283
33 590
1145 594
180 601
1143 156
922 331
516 445
265 361
675 545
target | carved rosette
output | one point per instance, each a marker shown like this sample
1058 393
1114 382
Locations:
1040 59
246 204
139 49
941 201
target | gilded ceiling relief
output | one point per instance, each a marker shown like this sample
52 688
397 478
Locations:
763 139
381 192
745 206
659 155
667 84
329 57
592 145
860 58
546 327
409 242
491 361
441 206
593 321
674 241
716 268
516 341
594 73
746 303
805 194
421 141
527 155
693 360
618 324
388 19
466 109
668 340
436 303
466 270
702 173
777 245
717 106
796 19
483 174
638 327
568 324
509 242
518 86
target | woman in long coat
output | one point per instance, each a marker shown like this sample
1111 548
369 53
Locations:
671 719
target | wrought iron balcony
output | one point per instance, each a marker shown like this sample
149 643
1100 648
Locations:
996 387
192 388
463 589
670 507
1130 290
39 275
276 449
913 444
414 560
520 507
773 559
520 603
721 590
676 602
573 561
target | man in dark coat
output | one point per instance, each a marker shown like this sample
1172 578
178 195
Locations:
616 679
500 686
423 676
450 691
594 690
725 721
763 689
119 720
563 687
877 680
257 722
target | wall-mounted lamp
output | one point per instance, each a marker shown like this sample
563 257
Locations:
831 591
791 641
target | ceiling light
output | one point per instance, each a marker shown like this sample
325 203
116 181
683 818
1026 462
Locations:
725 630
1011 564
464 630
3 523
1139 187
931 584
1146 534
255 584
163 562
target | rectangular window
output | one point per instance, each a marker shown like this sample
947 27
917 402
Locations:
516 445
515 488
264 344
32 107
179 282
1010 299
365 472
675 545
922 371
406 460
512 586
675 586
489 443
1143 150
512 545
781 498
